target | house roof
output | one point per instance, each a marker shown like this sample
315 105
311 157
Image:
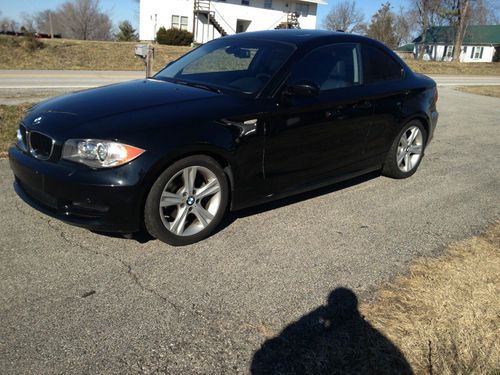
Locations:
406 48
474 35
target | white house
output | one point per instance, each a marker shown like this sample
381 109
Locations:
481 44
210 19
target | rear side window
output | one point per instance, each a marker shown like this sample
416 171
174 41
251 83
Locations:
329 67
378 66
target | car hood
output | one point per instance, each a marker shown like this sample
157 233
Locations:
89 105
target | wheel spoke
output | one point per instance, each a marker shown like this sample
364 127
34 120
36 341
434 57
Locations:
415 149
404 141
179 222
170 199
203 215
413 135
210 188
407 162
401 157
189 176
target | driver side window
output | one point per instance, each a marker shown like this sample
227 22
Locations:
329 67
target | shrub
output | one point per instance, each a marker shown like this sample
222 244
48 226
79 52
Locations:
174 37
31 43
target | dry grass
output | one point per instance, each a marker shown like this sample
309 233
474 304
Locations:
77 54
444 316
493 91
451 68
80 55
10 116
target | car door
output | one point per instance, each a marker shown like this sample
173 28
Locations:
309 138
383 81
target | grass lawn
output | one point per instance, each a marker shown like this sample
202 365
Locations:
493 91
453 68
59 54
444 314
92 55
10 116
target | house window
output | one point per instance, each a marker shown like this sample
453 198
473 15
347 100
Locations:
478 53
268 4
179 22
245 2
449 52
302 9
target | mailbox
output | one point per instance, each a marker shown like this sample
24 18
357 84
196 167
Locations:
141 50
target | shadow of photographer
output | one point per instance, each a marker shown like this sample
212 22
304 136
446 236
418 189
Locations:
333 339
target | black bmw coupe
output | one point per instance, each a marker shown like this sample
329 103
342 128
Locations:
235 122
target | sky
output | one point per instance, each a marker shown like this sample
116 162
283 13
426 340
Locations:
120 10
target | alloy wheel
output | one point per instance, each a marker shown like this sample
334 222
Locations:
410 149
190 201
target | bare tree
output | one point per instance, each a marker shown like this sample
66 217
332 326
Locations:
346 16
8 24
462 10
426 13
85 20
28 22
485 12
403 26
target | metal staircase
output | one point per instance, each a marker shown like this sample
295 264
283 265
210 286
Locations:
292 21
203 8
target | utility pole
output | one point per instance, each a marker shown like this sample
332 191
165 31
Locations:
154 35
50 25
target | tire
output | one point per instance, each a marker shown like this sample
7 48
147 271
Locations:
406 152
187 201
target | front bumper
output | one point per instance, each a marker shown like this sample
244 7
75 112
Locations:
102 200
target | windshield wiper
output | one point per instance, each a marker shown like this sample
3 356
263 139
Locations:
198 85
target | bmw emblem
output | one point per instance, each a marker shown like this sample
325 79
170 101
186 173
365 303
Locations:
37 121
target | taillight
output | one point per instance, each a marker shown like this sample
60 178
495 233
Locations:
436 95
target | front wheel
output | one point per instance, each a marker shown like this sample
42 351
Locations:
187 201
406 151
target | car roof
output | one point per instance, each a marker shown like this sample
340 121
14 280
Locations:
301 37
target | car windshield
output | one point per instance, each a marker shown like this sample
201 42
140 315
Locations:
241 65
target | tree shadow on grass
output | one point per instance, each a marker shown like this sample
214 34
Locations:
333 339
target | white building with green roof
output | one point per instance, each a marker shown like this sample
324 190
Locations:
481 44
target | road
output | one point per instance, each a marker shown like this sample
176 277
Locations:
73 301
18 86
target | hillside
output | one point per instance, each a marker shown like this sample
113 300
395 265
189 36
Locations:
17 53
68 54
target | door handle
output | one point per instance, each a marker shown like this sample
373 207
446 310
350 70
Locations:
363 105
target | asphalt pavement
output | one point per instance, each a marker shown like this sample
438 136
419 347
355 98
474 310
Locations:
73 301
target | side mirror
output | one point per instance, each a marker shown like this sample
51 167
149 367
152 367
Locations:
308 89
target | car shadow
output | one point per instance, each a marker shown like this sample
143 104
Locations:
143 236
333 339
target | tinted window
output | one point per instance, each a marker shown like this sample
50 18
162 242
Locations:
379 66
330 67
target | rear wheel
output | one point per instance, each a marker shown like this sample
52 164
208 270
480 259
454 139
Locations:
406 152
187 201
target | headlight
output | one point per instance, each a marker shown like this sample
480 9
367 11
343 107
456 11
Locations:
98 153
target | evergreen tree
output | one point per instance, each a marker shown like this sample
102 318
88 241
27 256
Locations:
127 32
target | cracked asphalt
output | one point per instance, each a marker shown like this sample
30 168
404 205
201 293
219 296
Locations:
73 301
